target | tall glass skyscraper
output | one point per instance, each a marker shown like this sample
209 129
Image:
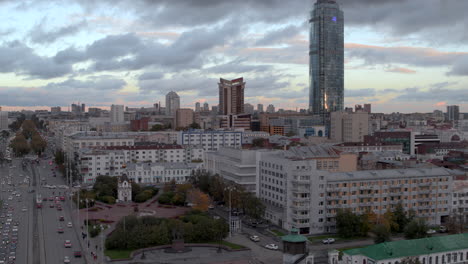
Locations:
326 58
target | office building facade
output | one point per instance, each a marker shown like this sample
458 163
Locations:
231 96
172 103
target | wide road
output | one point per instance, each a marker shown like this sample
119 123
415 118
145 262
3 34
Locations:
54 250
16 215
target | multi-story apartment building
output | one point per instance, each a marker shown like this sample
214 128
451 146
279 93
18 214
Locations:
305 188
211 140
234 165
357 147
460 200
150 173
89 140
184 117
349 126
114 160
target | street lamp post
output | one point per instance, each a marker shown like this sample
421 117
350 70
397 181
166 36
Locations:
230 211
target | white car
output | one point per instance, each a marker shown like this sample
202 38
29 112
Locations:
69 224
24 209
66 259
431 231
271 246
254 238
328 241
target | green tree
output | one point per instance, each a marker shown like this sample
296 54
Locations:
348 224
381 233
59 157
194 125
20 145
417 228
400 218
157 127
258 142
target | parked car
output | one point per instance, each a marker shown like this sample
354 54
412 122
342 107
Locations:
272 246
442 229
328 241
431 231
254 238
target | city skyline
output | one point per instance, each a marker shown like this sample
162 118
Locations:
394 57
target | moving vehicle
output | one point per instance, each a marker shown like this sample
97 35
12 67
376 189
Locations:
328 241
68 244
66 259
254 238
272 246
77 254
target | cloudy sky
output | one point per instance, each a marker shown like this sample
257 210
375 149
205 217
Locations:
401 55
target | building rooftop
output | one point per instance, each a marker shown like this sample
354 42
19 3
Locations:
394 173
140 147
317 151
414 247
166 165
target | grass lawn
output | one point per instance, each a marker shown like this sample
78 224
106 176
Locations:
320 238
228 244
118 254
278 233
343 249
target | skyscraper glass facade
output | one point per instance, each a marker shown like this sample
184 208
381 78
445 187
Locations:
326 58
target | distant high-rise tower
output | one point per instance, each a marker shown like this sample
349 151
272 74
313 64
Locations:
231 96
206 107
326 58
117 114
260 108
172 103
197 107
453 112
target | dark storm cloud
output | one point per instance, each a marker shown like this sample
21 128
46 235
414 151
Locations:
40 36
15 57
98 83
181 83
239 67
440 94
421 57
151 76
130 52
273 37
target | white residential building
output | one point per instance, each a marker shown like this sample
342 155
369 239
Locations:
114 160
304 191
211 140
238 166
151 173
172 103
117 114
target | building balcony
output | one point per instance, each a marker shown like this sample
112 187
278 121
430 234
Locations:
394 194
423 184
300 190
334 198
369 187
301 207
424 191
299 216
366 195
300 199
299 225
300 181
395 186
